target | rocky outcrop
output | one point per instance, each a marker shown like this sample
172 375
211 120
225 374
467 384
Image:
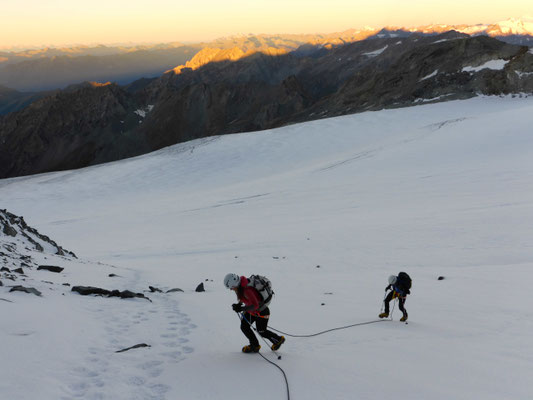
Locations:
13 226
19 244
452 69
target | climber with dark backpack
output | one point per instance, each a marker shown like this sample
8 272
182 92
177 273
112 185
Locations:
254 295
400 287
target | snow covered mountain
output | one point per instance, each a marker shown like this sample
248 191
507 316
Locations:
327 210
512 30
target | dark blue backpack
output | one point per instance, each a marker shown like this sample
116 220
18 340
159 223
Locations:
404 282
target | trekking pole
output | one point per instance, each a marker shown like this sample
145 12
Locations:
383 302
383 305
393 306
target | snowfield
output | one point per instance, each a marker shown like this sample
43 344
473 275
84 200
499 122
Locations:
327 210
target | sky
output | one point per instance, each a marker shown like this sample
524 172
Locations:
56 22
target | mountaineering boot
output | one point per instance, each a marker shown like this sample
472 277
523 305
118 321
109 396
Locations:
251 349
404 318
277 345
383 315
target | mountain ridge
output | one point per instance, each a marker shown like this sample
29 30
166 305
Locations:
94 124
53 68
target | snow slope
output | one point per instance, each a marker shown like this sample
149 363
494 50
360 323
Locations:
327 210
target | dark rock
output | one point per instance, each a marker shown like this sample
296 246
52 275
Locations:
1 284
318 266
88 290
174 290
66 284
200 288
323 304
5 269
125 294
440 278
112 275
25 290
19 271
51 268
134 347
154 289
9 230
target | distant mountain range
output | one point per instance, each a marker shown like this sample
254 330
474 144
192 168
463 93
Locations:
237 89
55 68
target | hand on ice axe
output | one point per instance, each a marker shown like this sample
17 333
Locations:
237 307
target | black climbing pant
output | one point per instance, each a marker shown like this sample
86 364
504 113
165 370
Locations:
401 301
261 323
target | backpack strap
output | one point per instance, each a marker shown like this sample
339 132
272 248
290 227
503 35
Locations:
264 304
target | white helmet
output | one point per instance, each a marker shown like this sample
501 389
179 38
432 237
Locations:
392 279
232 280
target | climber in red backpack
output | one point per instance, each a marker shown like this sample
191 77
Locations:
253 304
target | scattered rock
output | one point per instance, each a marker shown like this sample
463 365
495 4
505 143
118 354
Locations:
51 268
25 290
112 275
5 269
440 278
318 266
275 258
66 284
125 294
154 289
1 284
323 304
134 347
19 271
200 288
174 290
